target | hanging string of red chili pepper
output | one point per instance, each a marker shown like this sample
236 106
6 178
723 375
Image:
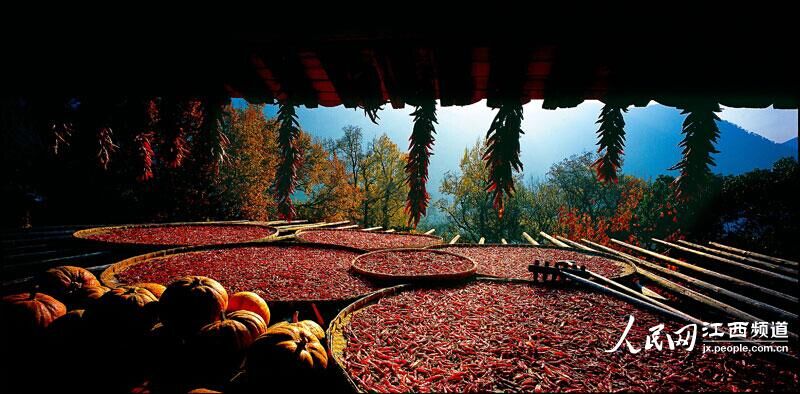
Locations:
419 153
286 174
502 152
700 135
144 140
214 128
611 142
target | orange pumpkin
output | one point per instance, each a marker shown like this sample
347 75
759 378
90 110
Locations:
249 301
313 328
29 313
191 302
127 308
62 281
85 296
285 350
236 332
154 288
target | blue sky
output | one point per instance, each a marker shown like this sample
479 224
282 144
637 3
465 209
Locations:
551 135
778 125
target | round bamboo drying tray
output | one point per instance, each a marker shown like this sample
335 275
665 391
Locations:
337 342
434 239
109 276
442 277
628 268
85 234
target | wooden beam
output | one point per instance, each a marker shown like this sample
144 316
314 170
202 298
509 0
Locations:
697 282
746 267
650 293
503 241
391 230
553 240
431 231
481 241
455 239
346 227
642 296
717 275
372 228
296 226
311 225
754 254
529 239
761 263
574 244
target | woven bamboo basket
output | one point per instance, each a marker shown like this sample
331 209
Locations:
110 279
335 332
84 235
384 277
628 268
433 239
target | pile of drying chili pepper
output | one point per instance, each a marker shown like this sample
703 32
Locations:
513 337
513 261
277 273
190 234
410 263
368 240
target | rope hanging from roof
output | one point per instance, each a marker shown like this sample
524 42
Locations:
611 142
419 154
700 135
502 152
286 174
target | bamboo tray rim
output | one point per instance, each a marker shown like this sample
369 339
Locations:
108 276
436 238
85 233
470 272
628 267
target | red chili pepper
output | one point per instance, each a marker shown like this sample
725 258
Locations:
190 234
277 273
368 239
521 343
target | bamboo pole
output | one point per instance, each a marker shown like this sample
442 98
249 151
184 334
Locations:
717 275
391 230
644 297
372 228
697 282
650 293
754 254
481 241
575 244
529 239
296 226
431 231
553 240
776 267
455 239
634 300
760 271
503 241
346 227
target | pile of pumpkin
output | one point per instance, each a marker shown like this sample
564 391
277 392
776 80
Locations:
188 334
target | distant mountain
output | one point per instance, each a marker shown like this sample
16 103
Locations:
654 133
651 147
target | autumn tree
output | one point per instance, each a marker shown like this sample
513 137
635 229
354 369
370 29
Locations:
384 184
469 206
323 181
245 181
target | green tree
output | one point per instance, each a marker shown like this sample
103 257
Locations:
384 184
469 207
